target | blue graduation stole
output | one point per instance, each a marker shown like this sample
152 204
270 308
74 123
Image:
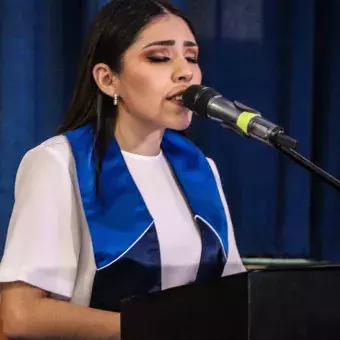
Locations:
123 233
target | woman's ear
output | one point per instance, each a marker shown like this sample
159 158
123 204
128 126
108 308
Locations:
105 79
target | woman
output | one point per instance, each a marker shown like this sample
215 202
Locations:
119 203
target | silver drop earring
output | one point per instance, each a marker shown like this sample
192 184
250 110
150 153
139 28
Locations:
115 99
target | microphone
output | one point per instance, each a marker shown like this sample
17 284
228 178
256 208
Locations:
206 102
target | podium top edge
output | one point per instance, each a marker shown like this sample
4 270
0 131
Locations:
298 268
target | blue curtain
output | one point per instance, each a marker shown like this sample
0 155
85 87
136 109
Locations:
281 57
40 41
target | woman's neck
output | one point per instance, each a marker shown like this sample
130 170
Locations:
138 137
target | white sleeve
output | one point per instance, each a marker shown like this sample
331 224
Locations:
43 241
234 263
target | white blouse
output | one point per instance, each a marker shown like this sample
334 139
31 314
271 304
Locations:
48 242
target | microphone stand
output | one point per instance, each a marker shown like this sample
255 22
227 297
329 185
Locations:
287 145
307 164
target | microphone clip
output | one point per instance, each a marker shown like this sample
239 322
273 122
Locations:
234 128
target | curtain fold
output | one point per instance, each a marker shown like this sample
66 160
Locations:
282 58
40 41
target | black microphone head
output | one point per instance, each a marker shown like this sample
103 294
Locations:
197 97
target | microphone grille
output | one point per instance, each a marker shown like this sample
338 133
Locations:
197 97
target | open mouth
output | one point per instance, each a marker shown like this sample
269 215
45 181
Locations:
176 99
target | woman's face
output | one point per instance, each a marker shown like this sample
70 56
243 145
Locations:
161 63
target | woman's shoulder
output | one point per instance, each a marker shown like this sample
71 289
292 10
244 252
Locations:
53 150
51 160
57 145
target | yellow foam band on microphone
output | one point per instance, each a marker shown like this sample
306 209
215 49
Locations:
243 120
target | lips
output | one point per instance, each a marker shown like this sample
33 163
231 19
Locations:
177 92
177 100
176 97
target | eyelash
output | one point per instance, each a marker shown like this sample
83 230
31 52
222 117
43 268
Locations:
166 59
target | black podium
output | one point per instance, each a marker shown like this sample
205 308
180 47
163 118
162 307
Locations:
285 304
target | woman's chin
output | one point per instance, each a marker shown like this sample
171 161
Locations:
181 122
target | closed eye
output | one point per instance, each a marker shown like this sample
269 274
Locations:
193 60
158 59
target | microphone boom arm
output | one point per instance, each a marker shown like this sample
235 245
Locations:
310 166
286 145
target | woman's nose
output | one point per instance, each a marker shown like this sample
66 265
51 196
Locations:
182 71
